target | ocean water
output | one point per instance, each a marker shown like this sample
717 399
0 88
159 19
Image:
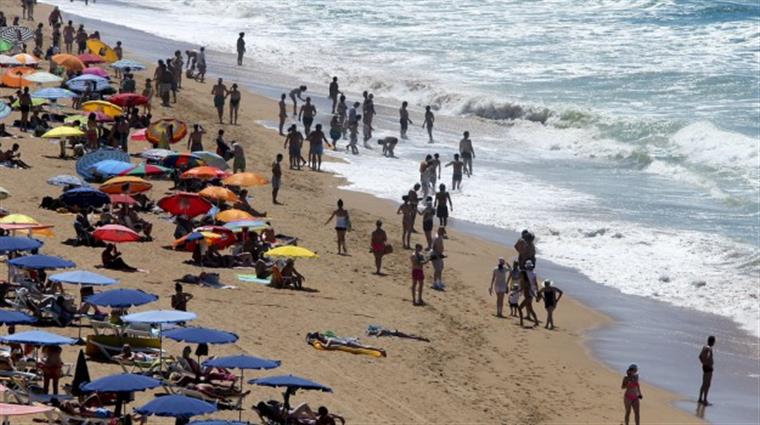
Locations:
624 134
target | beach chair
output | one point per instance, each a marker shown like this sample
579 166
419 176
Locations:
69 419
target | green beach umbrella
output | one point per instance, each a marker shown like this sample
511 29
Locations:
5 45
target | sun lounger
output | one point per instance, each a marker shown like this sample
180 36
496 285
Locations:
69 419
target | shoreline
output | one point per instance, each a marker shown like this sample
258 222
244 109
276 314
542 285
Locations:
368 203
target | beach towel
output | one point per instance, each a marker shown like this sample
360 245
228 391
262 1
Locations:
346 349
251 278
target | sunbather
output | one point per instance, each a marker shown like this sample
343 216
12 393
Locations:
331 342
111 259
127 354
378 331
301 414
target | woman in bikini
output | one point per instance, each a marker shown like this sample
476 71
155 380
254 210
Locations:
234 95
342 224
418 275
632 395
378 245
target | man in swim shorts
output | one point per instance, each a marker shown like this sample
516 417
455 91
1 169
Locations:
467 152
456 177
220 93
436 257
388 143
706 358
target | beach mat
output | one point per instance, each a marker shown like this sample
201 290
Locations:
251 278
353 350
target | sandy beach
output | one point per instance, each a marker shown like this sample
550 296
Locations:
477 368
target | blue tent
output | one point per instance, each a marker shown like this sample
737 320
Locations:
242 362
110 167
83 277
54 93
159 316
66 180
37 338
85 163
12 317
177 406
81 82
14 244
201 336
291 382
41 262
121 383
121 298
84 197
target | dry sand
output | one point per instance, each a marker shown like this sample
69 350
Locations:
477 369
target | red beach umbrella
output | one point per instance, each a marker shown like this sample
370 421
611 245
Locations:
183 203
126 100
115 233
89 58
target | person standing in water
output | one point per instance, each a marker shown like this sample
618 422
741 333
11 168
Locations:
706 359
418 275
316 148
404 118
220 94
276 178
467 152
632 396
378 244
283 114
201 62
240 48
306 115
428 123
499 283
334 92
442 210
551 296
342 225
342 111
456 177
296 93
235 96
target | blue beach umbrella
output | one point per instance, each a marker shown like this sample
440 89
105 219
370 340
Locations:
121 298
66 180
159 317
5 110
81 82
85 163
290 382
110 167
54 93
128 63
41 262
121 383
84 197
37 338
201 336
251 225
84 278
12 317
177 406
15 244
242 362
212 159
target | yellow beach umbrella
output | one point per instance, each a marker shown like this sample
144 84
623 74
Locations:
125 184
218 193
246 180
62 132
103 50
107 108
25 219
291 251
233 215
70 62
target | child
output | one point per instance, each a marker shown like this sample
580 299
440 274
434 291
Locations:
514 300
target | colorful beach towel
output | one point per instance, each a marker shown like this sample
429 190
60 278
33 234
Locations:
251 278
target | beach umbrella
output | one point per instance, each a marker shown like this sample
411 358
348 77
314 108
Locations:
157 317
62 132
125 184
8 410
154 154
107 108
139 136
5 110
16 34
182 161
212 159
127 63
26 59
5 45
233 215
242 362
121 298
128 99
4 193
121 383
94 70
42 77
102 50
291 383
115 233
14 77
81 375
144 169
177 406
218 193
187 242
53 93
183 203
193 335
83 278
246 180
84 197
89 58
203 172
291 251
12 317
41 262
14 222
110 167
122 199
81 82
84 164
37 338
158 128
82 118
8 60
252 225
69 62
66 180
16 244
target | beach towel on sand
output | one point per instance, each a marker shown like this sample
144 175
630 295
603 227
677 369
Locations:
251 278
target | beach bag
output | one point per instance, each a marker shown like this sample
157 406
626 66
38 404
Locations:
388 249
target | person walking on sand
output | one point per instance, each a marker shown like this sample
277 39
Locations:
219 91
436 257
235 96
293 143
526 250
238 155
706 359
240 48
551 296
467 152
342 225
195 141
456 177
632 396
334 92
378 246
428 214
307 114
404 118
418 275
68 37
408 211
442 197
428 123
295 95
528 296
283 114
499 283
276 178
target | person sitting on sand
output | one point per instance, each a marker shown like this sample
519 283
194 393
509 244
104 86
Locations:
288 276
263 269
244 205
13 157
111 259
